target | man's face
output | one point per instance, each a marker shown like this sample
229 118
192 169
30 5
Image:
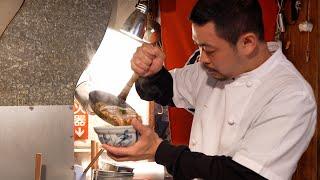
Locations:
219 58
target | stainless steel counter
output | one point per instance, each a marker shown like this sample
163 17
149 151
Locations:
25 131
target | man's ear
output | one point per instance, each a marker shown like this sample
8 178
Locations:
247 44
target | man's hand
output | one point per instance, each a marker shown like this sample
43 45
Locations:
144 148
147 60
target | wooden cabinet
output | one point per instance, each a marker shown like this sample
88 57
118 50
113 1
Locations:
303 49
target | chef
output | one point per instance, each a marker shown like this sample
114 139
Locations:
254 112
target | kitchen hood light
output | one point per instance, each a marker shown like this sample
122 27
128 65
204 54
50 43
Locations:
140 26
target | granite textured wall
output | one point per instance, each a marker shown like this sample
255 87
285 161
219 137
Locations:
46 47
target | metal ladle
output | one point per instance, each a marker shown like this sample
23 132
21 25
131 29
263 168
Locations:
96 98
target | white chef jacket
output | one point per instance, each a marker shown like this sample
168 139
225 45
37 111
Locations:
264 119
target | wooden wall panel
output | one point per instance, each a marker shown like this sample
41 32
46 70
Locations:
297 52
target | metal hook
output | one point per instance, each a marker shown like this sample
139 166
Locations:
161 112
298 5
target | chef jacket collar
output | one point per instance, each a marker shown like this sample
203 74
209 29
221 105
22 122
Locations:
264 68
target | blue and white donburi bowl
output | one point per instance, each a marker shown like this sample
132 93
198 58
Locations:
119 136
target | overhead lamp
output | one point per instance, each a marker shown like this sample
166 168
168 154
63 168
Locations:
140 26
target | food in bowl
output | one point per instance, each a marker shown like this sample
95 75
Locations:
119 136
118 116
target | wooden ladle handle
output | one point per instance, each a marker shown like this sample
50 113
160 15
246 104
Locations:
125 91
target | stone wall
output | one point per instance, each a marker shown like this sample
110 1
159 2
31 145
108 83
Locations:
45 49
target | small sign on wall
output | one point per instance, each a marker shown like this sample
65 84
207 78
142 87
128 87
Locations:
80 123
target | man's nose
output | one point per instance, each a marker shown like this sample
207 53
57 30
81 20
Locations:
203 57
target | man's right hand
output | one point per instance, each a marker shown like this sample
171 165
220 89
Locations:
147 60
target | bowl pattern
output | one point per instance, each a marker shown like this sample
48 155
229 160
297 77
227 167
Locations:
120 137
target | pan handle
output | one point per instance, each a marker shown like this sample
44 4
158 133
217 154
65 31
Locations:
38 165
125 91
93 161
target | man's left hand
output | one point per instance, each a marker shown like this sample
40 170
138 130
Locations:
144 148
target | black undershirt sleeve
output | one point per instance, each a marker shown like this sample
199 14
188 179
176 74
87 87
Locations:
181 163
158 88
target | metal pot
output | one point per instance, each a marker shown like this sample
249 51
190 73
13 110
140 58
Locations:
108 175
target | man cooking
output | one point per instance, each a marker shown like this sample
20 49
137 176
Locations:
254 112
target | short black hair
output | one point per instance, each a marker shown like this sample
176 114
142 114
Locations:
232 18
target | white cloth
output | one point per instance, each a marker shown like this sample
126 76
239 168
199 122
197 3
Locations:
263 119
78 173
